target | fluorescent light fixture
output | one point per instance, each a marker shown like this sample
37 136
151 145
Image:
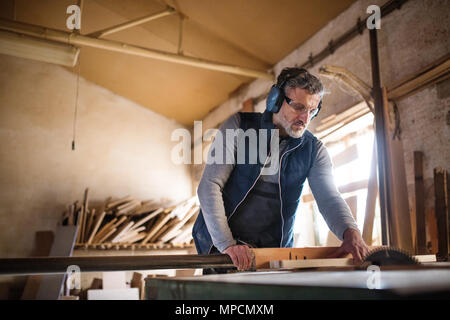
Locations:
36 49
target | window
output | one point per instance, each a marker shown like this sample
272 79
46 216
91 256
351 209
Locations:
350 147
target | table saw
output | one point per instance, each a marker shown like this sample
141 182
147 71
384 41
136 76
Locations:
285 285
278 273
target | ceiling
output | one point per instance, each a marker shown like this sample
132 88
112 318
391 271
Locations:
250 33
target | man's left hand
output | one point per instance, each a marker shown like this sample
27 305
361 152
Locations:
353 243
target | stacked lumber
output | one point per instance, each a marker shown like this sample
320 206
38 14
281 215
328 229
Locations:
128 221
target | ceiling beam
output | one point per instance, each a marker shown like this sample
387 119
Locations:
110 45
132 23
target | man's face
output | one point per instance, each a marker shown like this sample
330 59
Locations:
293 118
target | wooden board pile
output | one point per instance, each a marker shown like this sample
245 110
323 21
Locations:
130 221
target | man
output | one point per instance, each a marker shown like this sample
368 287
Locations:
242 206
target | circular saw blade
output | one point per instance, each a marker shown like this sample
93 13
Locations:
389 256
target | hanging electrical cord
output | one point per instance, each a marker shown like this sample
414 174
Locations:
77 31
76 103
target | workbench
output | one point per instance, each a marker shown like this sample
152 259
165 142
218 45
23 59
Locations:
285 285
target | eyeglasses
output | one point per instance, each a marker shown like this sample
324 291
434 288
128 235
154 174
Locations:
300 108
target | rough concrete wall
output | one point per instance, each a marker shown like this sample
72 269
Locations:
121 148
425 123
409 39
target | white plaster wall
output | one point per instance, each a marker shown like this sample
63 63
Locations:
121 149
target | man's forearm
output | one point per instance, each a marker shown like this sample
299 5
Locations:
210 197
214 178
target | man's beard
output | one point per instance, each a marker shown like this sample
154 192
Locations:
289 130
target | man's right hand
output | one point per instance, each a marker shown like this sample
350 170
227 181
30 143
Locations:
240 255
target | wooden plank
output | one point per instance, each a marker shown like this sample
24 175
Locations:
90 224
354 186
98 222
123 219
263 256
169 209
129 235
447 203
310 263
97 283
248 106
114 294
348 155
165 228
372 192
84 216
182 209
52 285
127 204
122 231
71 219
42 246
400 233
426 258
447 182
153 222
336 121
106 236
79 223
174 230
129 207
148 207
157 227
69 298
421 234
350 187
432 231
104 230
185 234
115 223
136 238
136 282
147 218
427 76
441 212
119 201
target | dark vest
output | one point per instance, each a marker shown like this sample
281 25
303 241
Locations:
295 162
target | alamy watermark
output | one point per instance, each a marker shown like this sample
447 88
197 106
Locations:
236 146
374 20
73 278
374 279
74 20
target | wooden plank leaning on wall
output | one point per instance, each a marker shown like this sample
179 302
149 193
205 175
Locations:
442 193
399 220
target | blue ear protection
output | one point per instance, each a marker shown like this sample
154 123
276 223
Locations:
276 95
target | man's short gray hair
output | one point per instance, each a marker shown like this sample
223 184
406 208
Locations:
300 78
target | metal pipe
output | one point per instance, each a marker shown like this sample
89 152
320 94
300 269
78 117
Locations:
343 75
381 139
37 49
180 35
58 265
132 23
81 40
350 34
